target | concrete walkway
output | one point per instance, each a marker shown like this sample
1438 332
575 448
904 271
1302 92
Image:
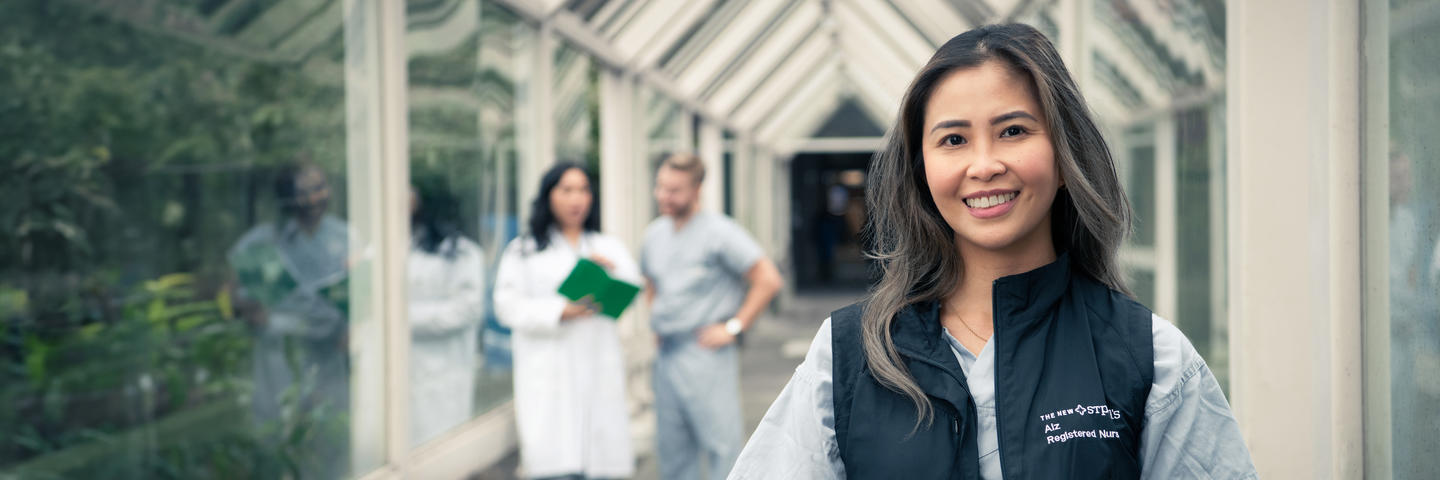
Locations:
772 350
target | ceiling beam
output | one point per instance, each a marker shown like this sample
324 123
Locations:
728 45
799 32
806 108
783 81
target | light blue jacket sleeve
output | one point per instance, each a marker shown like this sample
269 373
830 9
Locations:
1189 430
796 438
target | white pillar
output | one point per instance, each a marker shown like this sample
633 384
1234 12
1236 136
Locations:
780 222
745 188
624 214
645 157
1294 221
377 168
711 151
1167 281
617 157
535 111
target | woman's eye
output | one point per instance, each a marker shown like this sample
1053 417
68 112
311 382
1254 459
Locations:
1012 131
953 140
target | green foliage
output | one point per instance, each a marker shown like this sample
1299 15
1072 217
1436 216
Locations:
125 155
116 116
170 349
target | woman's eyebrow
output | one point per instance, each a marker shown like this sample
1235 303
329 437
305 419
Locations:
951 124
1011 116
998 119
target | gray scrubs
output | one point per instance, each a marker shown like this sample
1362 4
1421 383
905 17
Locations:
698 274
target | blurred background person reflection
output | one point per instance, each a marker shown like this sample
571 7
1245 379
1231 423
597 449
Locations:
293 290
570 405
1414 327
446 303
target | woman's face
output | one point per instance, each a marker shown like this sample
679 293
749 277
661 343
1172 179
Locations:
988 159
570 200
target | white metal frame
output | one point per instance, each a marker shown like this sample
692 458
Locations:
365 96
1375 173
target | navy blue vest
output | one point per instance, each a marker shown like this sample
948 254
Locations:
1074 362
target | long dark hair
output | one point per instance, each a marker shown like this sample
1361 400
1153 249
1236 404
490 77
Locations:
436 219
912 243
541 218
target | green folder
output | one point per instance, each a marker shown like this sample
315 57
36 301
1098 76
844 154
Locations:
261 271
588 279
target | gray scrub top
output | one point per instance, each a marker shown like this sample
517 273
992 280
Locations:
698 272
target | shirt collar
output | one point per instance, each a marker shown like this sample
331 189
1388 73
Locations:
1023 296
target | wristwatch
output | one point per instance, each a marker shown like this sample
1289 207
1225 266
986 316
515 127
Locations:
733 326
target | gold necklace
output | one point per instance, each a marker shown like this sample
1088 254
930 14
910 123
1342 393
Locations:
956 312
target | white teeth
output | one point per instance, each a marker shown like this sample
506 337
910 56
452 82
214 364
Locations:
990 201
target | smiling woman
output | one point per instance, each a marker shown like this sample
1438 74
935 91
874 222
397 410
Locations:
993 179
1001 324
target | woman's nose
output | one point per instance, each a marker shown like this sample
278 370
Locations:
986 166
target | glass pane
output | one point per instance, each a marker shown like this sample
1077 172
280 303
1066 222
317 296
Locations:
1142 282
577 108
1414 249
176 240
464 63
1198 195
665 125
1156 74
1139 178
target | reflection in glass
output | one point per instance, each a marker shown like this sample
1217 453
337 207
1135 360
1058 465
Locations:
1154 73
174 249
446 293
466 66
1414 218
293 289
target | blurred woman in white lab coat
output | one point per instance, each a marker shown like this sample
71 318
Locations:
570 405
446 278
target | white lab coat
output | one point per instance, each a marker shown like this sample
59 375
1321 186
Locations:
446 304
570 406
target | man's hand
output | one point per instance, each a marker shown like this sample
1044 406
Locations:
714 336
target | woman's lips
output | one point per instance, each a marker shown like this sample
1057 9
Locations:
991 206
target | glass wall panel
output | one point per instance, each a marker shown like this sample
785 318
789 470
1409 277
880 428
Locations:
731 176
1199 235
1164 66
177 243
1154 75
664 125
464 64
577 107
1414 234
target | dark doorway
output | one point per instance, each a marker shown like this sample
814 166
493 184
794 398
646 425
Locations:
828 199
